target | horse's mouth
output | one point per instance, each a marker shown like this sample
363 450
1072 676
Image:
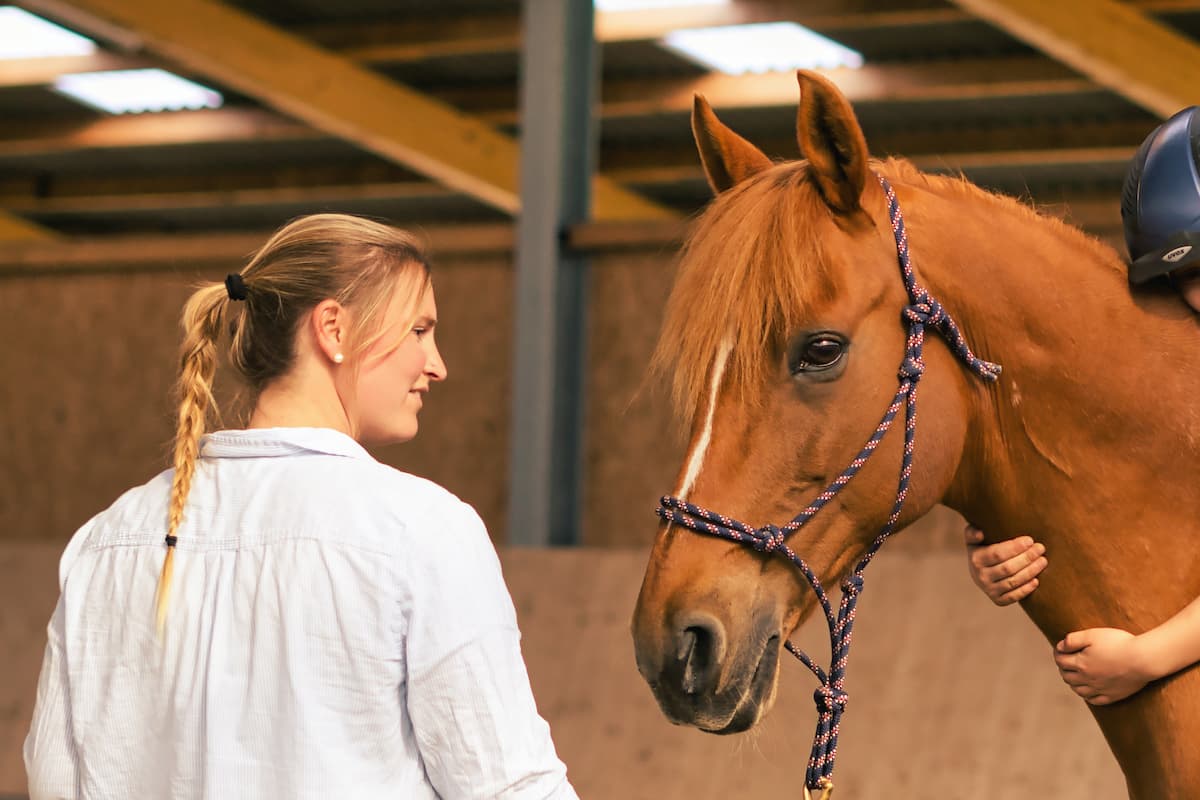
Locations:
736 708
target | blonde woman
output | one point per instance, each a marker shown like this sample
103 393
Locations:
280 615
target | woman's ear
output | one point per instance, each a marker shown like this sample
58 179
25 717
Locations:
330 325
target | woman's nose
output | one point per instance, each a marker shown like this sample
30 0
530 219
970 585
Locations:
435 367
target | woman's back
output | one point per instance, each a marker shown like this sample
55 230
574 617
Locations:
317 600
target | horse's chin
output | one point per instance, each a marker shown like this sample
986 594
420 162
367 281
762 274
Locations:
741 703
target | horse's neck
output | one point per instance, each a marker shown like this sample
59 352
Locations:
1090 441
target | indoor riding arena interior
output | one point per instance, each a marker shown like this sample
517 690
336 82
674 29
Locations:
543 149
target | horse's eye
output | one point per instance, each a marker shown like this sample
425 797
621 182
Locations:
819 352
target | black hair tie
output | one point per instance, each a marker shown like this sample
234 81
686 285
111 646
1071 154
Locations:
235 286
172 540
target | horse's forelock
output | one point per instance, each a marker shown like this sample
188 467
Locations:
751 267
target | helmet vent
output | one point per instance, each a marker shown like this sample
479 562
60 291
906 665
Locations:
1133 182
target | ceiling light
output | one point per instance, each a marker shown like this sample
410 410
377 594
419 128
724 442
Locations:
764 47
643 5
23 35
137 90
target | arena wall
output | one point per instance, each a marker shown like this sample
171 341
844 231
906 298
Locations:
951 698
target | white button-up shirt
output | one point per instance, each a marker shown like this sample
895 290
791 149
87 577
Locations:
337 629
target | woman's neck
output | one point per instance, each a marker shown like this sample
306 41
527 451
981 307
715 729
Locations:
300 400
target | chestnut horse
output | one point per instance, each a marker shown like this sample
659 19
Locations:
783 333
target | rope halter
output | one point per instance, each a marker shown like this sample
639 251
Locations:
923 312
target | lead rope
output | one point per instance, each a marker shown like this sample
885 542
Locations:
830 696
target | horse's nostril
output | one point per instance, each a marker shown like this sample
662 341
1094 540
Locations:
687 644
699 653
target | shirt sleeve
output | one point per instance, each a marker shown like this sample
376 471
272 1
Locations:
469 698
50 760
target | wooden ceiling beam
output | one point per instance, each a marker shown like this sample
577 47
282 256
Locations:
286 175
942 163
21 200
15 229
333 95
225 198
165 252
939 142
420 40
179 250
20 73
1115 44
378 43
964 80
31 139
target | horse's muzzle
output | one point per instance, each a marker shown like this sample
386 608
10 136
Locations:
699 681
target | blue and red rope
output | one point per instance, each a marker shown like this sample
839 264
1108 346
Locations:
923 312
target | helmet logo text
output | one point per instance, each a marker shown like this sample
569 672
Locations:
1176 254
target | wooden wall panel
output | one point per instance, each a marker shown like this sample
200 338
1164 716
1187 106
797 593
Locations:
85 409
634 444
87 370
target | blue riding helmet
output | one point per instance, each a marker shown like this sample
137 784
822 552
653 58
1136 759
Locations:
1160 203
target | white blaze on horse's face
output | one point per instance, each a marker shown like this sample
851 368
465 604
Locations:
712 616
700 445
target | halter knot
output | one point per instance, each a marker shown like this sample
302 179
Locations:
853 584
830 700
912 368
927 311
768 539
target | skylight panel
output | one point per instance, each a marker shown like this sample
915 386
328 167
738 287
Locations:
761 47
137 90
644 5
25 35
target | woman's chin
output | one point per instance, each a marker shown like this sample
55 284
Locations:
392 434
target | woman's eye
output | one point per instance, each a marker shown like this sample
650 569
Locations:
419 332
819 353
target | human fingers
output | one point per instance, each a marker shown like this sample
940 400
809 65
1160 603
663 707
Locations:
1085 691
1101 700
1018 570
1072 678
1023 566
972 535
992 555
1016 595
1067 662
1074 642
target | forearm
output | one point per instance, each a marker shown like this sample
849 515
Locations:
1173 645
479 729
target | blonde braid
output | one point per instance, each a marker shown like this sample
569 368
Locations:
197 365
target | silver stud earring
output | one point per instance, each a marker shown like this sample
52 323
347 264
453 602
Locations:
338 358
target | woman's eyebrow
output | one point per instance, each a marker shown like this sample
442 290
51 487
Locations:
425 322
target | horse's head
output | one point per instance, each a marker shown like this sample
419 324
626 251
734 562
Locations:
784 336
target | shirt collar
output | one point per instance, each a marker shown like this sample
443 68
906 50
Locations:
268 442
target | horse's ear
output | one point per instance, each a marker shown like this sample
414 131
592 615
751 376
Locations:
728 158
832 141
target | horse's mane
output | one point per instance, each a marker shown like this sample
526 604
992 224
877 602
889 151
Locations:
730 286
